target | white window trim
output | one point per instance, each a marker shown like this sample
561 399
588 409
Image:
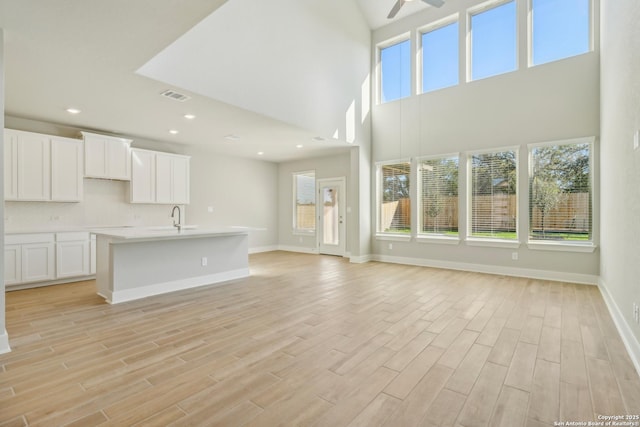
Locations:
592 27
566 246
382 45
434 237
484 241
483 7
382 235
432 26
294 190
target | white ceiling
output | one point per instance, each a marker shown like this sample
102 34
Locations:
276 74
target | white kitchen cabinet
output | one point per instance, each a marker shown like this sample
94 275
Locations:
72 254
12 264
158 177
143 176
66 170
107 157
33 166
10 165
37 258
92 255
172 179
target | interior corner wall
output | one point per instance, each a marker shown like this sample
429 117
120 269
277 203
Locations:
4 337
332 166
549 102
620 179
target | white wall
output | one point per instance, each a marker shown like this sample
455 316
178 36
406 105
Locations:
324 167
4 337
620 179
242 192
554 101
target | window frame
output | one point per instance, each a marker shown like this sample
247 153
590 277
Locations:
392 235
421 31
476 10
591 41
492 241
406 36
295 228
563 245
435 237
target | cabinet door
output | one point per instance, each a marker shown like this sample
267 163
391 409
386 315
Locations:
143 178
37 262
72 258
10 165
34 166
95 157
12 265
66 170
180 178
164 179
119 160
92 255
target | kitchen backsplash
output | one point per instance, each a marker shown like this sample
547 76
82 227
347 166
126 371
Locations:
105 204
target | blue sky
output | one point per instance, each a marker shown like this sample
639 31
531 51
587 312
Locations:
560 30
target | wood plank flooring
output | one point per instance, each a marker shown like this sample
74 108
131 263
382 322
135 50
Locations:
314 340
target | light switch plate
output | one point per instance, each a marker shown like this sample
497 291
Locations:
636 140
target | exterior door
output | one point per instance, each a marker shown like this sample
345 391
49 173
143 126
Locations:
331 216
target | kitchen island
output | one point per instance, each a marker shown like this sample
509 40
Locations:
134 263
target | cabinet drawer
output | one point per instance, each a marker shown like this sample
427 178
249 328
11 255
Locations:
20 239
72 236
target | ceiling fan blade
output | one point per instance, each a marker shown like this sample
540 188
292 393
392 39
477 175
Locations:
396 8
434 3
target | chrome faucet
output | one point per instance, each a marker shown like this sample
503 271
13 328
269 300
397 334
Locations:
178 225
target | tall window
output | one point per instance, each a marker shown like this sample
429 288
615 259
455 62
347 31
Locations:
395 71
438 179
559 29
440 57
394 202
494 41
304 207
494 195
560 192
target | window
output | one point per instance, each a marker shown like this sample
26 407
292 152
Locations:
494 204
559 29
394 202
438 179
395 71
304 207
560 192
440 57
493 41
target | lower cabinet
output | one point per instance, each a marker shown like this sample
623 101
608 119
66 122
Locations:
43 257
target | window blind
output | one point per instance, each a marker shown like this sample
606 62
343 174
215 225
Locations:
439 195
304 201
394 201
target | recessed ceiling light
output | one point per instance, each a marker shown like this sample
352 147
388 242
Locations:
73 111
189 116
260 153
173 131
231 137
299 146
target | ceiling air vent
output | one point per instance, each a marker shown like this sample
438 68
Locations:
176 96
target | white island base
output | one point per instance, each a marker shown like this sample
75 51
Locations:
138 263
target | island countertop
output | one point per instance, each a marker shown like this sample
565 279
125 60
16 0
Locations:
139 234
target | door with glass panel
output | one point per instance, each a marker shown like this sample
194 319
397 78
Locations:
331 216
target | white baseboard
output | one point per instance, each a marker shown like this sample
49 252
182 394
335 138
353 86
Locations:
628 338
4 342
586 279
117 297
300 249
260 249
360 259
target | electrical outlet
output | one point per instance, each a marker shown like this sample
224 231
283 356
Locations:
204 261
636 312
210 209
390 246
636 140
514 256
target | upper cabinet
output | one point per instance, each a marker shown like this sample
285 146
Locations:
107 157
158 177
41 167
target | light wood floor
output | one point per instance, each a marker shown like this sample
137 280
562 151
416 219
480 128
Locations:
315 340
